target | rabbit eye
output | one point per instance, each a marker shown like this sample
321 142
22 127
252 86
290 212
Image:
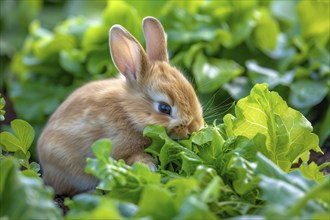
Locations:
164 108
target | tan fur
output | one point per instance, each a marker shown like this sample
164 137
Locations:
117 109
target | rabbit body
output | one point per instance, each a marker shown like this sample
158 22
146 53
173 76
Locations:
151 92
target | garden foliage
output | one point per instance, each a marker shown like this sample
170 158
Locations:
240 168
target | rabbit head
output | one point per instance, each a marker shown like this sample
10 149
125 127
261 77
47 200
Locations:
157 92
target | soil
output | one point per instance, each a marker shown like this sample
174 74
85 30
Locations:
320 158
59 201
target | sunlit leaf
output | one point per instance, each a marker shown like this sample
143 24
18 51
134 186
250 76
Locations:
287 132
259 74
266 31
23 138
314 18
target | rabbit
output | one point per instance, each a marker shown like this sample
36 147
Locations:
150 91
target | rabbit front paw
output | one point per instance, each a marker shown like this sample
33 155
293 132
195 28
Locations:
146 159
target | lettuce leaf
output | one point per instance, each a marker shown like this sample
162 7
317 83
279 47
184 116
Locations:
290 195
121 180
286 132
35 199
171 154
136 186
86 206
221 171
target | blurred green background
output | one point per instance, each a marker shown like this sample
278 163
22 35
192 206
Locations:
50 47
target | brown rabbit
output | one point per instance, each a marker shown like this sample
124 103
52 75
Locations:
151 92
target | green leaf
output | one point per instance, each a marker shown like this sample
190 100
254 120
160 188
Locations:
210 143
98 61
190 161
259 74
243 174
288 134
290 195
35 199
238 88
323 128
75 27
95 36
211 74
23 139
247 148
5 171
169 151
190 55
149 208
24 133
204 136
158 136
306 94
41 90
193 208
109 171
120 12
124 182
266 31
242 25
314 18
148 9
23 158
102 148
182 187
9 142
35 167
212 192
85 206
71 61
80 203
204 175
285 11
311 171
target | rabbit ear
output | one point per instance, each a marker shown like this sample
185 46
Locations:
156 39
127 54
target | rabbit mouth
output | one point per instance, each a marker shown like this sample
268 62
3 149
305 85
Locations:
184 131
179 132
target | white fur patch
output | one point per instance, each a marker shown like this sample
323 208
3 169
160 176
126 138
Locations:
161 97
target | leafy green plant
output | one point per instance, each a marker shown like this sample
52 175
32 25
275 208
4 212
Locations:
232 169
19 143
301 195
222 171
23 195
